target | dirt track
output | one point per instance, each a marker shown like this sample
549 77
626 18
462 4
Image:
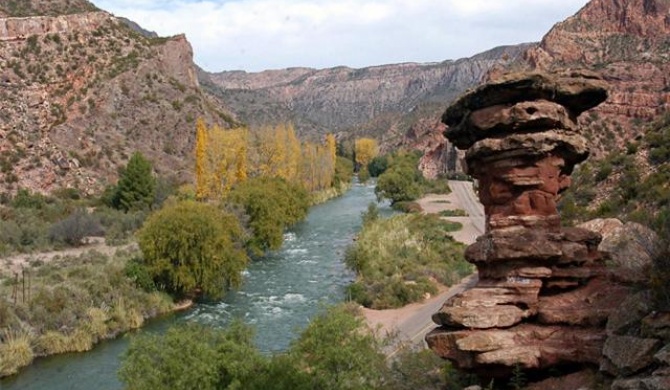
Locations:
412 322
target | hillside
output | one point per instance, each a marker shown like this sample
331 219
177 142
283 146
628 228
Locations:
628 43
382 100
24 8
81 91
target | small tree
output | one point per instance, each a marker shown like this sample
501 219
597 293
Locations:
190 247
272 204
137 186
192 356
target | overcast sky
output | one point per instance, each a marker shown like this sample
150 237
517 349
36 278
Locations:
255 35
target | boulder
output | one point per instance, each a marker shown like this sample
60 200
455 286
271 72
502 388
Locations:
530 346
632 247
627 355
643 383
663 356
626 318
582 380
589 305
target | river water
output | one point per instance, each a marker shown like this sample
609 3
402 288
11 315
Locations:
281 292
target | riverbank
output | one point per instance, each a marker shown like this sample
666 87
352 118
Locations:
395 322
60 304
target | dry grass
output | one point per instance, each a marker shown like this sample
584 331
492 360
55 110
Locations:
72 304
15 351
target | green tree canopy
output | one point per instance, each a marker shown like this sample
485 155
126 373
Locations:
192 357
190 246
137 186
272 204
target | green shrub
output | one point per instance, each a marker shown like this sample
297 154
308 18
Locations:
344 171
378 165
136 271
72 304
15 352
363 175
399 260
272 204
453 213
407 207
191 356
193 248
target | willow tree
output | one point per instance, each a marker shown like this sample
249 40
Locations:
190 248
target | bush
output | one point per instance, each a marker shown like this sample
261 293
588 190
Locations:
74 228
136 271
191 248
398 260
272 204
453 213
378 165
191 356
15 352
344 171
407 207
73 304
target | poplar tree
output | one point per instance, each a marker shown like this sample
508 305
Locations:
201 164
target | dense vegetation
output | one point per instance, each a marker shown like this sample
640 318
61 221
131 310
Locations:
192 247
400 180
638 182
637 188
336 351
401 259
272 205
69 305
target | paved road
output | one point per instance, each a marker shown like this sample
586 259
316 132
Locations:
470 202
414 328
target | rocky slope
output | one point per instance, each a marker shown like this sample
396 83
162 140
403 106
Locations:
628 42
383 101
81 91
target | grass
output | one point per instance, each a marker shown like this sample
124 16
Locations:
453 213
401 259
15 351
72 304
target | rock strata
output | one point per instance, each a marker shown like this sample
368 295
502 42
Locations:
543 296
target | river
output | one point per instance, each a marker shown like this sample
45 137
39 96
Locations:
281 292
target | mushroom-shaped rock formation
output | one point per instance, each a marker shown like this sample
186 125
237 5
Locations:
543 294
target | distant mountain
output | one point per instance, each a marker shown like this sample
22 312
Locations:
81 91
381 100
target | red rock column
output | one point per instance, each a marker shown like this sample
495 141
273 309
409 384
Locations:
538 302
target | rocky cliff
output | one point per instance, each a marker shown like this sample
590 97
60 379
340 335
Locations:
545 298
82 91
628 42
383 101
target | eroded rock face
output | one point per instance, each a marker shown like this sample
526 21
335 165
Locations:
544 295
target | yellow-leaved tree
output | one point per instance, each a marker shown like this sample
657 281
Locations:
220 160
201 161
365 149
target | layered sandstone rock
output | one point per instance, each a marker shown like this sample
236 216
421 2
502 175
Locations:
543 297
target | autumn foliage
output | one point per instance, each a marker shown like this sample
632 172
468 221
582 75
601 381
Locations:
227 157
